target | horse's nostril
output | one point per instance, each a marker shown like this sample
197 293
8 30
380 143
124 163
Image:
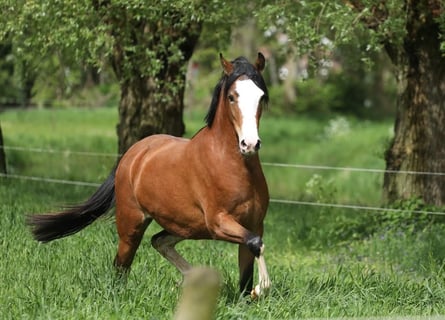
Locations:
258 145
243 143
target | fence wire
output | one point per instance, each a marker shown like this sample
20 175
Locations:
280 201
266 164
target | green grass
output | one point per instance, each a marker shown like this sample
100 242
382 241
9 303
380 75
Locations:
319 267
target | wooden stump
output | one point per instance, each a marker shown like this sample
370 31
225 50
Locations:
199 295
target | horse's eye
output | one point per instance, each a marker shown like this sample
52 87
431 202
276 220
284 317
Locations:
231 98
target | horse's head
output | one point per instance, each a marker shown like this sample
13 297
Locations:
244 94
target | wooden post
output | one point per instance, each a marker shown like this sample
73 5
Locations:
2 153
199 295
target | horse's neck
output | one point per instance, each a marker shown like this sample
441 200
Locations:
222 133
220 144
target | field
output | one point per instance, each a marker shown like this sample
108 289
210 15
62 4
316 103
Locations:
325 261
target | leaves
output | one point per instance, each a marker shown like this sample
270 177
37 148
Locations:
368 23
87 31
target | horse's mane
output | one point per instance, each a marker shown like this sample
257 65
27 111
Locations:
241 66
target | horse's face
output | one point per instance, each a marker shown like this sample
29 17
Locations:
244 98
244 101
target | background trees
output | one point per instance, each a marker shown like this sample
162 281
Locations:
412 35
419 142
149 48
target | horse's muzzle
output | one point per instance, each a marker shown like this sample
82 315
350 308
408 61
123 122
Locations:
249 147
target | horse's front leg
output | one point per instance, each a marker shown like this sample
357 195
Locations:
224 227
245 262
264 281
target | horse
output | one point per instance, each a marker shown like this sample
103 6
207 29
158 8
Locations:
211 186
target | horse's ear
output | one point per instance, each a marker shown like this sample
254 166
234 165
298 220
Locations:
260 62
227 65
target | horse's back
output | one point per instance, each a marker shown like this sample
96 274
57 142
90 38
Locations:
154 154
144 150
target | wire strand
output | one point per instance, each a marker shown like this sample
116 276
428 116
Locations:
51 180
317 167
267 164
42 150
351 206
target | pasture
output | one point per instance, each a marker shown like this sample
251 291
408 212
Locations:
324 261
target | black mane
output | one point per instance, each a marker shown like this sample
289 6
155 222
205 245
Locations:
241 66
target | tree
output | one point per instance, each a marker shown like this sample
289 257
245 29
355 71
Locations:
412 33
147 45
149 56
419 142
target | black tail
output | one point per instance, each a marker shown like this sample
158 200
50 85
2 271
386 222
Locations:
48 227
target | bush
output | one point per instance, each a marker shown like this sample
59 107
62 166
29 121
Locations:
348 92
411 215
316 97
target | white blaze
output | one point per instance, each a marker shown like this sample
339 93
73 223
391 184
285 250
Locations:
249 96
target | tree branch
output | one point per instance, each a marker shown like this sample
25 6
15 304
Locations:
378 13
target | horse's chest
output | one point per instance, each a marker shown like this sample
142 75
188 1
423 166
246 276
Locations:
234 189
247 202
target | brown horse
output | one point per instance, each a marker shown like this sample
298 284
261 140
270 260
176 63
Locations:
209 187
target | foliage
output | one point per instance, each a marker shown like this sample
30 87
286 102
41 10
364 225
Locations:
369 24
72 36
316 97
51 39
410 215
308 22
79 30
9 88
341 49
87 31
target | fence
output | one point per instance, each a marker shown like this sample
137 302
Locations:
266 164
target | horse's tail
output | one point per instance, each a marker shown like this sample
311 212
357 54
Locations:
48 227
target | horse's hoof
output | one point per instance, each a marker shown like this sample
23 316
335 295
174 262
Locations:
258 291
254 294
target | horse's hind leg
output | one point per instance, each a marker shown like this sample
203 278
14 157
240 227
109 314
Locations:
131 226
164 242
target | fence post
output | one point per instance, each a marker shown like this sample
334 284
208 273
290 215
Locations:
199 295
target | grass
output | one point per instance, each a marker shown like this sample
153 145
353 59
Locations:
320 268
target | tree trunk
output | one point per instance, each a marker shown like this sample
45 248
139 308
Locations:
419 141
146 109
2 153
153 105
150 57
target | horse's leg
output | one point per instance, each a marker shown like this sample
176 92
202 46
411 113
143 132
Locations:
164 242
131 226
263 276
245 265
224 227
264 281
